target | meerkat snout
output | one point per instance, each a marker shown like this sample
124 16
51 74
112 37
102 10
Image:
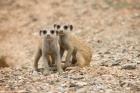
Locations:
61 32
48 36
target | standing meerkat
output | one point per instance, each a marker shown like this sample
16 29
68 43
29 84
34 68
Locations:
48 46
78 49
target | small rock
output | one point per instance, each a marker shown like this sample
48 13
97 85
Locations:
124 50
81 83
77 84
99 41
122 83
136 87
104 64
72 84
35 73
82 90
77 78
138 62
129 66
133 85
107 52
117 62
138 55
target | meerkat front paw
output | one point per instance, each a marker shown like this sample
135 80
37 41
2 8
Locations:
60 71
35 73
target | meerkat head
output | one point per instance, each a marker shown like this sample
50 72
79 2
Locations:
63 28
49 34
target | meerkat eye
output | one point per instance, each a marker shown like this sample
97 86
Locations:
58 26
44 31
65 27
52 31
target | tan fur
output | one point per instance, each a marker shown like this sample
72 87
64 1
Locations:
76 48
84 52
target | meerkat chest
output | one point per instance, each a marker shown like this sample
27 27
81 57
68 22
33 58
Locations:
49 47
65 42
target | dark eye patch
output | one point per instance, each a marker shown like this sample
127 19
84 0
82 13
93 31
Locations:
52 31
65 27
58 26
44 31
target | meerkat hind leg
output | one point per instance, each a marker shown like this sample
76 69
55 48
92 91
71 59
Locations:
74 59
49 60
80 60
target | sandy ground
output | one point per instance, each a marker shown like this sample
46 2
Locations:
111 27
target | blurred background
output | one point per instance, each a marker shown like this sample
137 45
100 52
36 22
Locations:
20 19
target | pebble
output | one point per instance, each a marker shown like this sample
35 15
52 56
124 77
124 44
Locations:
129 66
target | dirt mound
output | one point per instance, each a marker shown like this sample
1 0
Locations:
3 62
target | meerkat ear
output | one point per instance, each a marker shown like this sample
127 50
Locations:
40 32
54 25
71 27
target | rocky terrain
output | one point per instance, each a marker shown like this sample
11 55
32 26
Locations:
111 27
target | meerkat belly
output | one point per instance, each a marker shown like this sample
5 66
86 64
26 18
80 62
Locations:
64 46
51 51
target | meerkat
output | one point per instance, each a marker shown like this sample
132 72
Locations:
48 47
76 48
